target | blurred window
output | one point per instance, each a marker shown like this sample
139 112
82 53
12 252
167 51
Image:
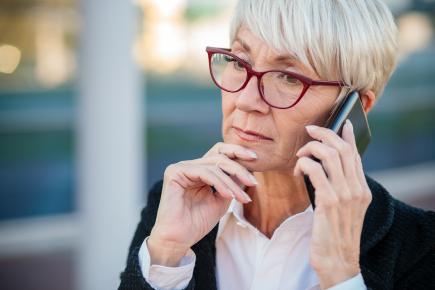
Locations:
38 48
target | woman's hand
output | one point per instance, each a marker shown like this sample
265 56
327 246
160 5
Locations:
342 198
188 208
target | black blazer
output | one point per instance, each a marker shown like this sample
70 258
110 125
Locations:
397 246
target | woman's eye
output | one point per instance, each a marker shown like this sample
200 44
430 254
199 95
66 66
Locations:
238 65
228 58
289 79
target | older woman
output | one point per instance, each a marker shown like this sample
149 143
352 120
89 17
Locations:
289 63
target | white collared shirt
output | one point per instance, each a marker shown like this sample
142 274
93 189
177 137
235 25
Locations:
247 259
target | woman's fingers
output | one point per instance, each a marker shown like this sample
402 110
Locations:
235 169
193 174
315 172
232 151
350 188
222 155
345 149
209 175
329 157
239 194
220 172
348 154
349 136
231 167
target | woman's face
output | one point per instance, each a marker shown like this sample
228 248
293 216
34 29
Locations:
285 128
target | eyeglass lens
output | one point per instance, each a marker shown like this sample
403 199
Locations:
278 88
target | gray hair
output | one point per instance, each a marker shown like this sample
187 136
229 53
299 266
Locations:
349 40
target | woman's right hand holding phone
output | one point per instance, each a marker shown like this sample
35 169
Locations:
188 207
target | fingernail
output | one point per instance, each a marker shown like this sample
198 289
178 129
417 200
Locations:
311 127
246 197
299 152
252 154
349 124
253 179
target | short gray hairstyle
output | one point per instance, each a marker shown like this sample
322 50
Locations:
354 41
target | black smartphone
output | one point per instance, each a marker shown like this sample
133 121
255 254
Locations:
349 108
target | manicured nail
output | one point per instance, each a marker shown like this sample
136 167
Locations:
246 197
349 124
311 127
252 154
253 179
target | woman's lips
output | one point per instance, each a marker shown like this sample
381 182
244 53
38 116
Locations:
251 135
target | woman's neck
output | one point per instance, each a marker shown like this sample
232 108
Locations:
277 196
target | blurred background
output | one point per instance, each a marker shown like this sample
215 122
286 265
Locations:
97 98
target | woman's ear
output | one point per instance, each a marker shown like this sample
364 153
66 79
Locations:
368 99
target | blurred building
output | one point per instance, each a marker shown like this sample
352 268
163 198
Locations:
92 97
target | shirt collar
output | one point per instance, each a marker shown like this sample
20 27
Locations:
235 210
224 219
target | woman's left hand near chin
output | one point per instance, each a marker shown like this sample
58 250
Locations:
342 197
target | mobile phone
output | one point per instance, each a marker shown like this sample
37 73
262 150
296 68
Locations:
349 108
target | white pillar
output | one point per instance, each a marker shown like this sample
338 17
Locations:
109 134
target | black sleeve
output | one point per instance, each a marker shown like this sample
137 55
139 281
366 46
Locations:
422 276
132 278
420 257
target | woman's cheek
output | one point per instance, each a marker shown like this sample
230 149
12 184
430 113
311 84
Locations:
295 138
228 103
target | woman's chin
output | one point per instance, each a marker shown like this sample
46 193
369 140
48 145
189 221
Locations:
264 162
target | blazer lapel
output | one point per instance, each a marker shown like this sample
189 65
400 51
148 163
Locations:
377 222
205 266
378 218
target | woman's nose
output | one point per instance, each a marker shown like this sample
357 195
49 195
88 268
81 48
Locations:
249 98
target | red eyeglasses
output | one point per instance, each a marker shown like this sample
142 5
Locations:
278 88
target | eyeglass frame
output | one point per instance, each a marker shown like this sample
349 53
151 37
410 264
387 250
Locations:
306 81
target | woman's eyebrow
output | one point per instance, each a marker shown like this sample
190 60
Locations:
280 58
286 58
243 44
